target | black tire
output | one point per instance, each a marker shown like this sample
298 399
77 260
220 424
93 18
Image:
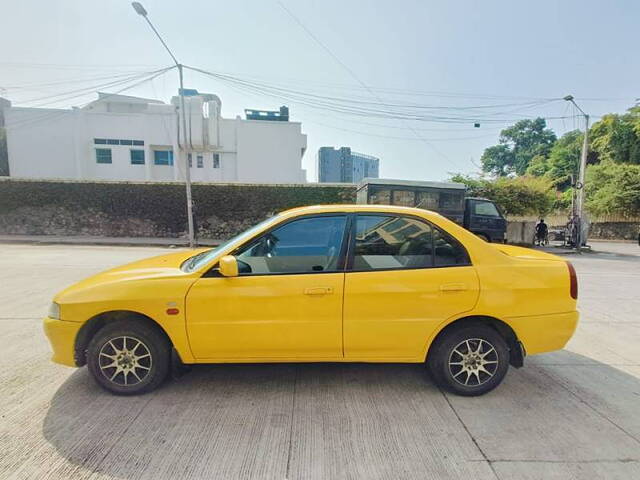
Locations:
482 339
141 369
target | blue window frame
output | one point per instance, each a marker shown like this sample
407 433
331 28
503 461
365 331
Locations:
103 155
137 157
163 157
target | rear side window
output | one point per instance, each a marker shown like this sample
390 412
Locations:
384 242
390 242
448 252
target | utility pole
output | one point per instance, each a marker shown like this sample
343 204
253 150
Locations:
140 10
583 166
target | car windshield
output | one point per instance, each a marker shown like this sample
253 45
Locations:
194 263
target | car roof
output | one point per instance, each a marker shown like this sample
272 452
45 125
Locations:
358 208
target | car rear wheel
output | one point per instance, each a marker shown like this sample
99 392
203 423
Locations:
470 360
128 357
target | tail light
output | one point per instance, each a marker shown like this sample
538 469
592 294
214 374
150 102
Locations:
573 279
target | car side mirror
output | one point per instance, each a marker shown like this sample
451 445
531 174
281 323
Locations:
228 266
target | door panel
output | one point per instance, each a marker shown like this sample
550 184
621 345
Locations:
393 313
405 277
287 301
266 316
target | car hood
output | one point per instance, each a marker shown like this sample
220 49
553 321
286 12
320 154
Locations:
527 253
154 268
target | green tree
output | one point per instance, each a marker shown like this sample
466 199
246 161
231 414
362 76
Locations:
515 196
518 145
564 159
613 188
616 138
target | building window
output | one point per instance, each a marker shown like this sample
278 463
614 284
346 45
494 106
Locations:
189 157
103 155
137 157
163 157
216 160
115 141
199 161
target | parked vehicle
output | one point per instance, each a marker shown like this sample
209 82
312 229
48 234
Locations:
339 283
478 215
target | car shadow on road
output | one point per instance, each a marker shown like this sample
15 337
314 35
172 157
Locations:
328 420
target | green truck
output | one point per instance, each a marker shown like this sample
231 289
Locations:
478 215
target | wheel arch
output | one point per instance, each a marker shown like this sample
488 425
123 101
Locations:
516 349
95 323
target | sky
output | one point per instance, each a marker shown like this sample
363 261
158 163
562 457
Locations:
489 62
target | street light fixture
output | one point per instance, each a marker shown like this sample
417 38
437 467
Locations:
140 10
581 171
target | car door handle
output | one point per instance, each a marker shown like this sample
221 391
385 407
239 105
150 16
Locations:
453 287
318 291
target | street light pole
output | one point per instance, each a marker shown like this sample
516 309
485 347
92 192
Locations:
140 10
581 171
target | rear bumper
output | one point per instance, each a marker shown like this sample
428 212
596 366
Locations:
62 335
544 333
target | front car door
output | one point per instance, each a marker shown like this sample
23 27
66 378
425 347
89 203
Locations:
404 277
285 304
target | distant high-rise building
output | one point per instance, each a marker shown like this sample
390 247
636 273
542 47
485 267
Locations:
341 165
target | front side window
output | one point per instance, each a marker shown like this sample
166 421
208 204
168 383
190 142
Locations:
163 157
390 242
306 245
485 208
137 157
103 155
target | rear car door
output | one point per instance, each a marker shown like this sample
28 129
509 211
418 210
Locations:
404 277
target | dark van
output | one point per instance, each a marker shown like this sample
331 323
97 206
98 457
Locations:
478 215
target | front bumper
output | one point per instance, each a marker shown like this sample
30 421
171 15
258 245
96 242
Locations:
62 335
544 333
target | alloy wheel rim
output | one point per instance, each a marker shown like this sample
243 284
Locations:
125 360
473 362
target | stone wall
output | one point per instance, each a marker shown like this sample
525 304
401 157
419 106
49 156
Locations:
615 230
124 209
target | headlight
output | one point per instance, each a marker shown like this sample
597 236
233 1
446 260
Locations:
54 311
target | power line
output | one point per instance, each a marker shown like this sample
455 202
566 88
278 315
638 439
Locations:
353 74
58 113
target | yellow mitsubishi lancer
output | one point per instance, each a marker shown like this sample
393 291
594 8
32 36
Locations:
338 283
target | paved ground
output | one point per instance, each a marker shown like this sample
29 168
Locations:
573 414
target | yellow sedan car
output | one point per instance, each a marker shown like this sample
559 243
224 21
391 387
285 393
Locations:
338 283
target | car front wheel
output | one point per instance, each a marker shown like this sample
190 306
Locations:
128 357
470 361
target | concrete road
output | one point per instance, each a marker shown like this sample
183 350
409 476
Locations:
573 414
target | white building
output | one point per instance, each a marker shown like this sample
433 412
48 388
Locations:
119 137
